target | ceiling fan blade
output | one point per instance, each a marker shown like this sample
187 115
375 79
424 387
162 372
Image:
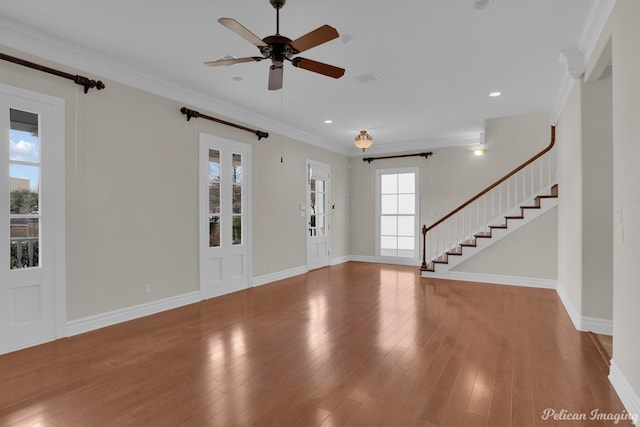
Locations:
228 62
314 38
240 30
275 75
318 67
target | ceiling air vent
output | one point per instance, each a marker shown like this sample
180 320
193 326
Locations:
367 77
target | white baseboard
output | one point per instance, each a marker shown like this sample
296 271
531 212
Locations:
584 323
597 325
278 275
573 313
383 260
532 282
627 394
86 324
338 260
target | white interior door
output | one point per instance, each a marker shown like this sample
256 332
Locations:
31 219
225 220
318 214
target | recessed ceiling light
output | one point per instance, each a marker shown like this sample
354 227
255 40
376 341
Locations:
495 94
328 122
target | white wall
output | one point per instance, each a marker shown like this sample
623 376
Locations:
569 137
620 34
597 212
624 32
132 194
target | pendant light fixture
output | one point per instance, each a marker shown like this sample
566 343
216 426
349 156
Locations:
364 140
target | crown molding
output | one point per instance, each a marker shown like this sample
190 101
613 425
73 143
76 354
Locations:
594 24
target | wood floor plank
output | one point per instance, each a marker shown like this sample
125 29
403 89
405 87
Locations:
355 344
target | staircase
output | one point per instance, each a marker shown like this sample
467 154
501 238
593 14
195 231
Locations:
518 198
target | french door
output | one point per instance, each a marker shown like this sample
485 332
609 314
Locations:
32 266
318 214
225 215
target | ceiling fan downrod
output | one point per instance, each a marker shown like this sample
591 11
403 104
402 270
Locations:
277 4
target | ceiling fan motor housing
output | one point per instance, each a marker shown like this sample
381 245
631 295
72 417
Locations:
278 4
278 48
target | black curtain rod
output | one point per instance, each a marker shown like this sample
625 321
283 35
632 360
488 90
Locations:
192 113
370 159
79 80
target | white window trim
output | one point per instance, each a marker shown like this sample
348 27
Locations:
415 260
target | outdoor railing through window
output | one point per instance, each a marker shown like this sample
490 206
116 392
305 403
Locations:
24 252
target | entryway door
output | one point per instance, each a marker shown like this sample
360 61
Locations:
32 249
225 216
318 214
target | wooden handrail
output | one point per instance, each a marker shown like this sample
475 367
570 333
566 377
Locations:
495 184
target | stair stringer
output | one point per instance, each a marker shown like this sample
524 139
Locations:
529 214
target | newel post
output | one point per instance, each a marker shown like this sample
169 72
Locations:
424 248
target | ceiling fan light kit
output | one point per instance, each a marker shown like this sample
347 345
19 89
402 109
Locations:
279 48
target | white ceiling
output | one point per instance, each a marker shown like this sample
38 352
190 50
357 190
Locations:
437 60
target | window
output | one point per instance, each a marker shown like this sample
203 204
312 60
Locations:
214 198
397 212
236 215
24 211
317 218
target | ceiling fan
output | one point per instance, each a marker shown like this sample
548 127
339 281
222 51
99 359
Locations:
280 48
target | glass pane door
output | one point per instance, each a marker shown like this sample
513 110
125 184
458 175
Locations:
24 203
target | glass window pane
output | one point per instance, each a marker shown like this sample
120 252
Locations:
320 225
388 225
24 242
388 242
406 226
25 144
236 179
407 204
214 231
214 182
24 189
319 203
405 242
406 183
389 183
236 232
320 185
237 199
389 204
236 169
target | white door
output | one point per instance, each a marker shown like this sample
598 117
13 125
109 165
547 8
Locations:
32 307
225 226
318 214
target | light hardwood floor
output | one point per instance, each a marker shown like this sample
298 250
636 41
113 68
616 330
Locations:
355 344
